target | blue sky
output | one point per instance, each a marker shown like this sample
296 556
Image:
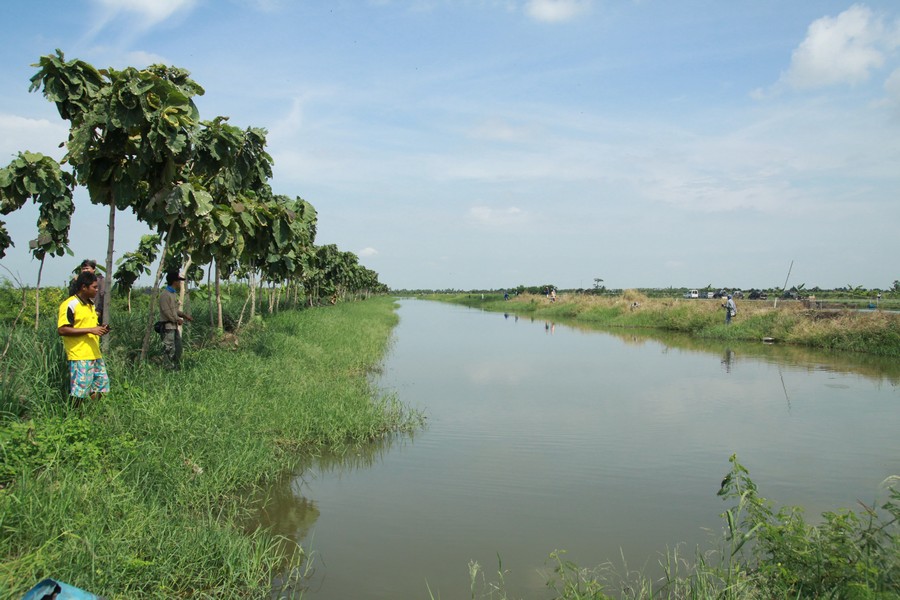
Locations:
488 143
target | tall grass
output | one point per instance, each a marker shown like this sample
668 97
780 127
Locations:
34 372
876 332
145 493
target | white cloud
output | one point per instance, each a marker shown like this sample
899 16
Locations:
367 252
484 215
892 87
267 5
150 12
497 130
719 194
840 50
140 59
18 134
555 11
133 16
498 373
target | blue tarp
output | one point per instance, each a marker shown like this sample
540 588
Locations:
63 591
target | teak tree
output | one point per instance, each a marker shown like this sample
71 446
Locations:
40 178
129 131
136 263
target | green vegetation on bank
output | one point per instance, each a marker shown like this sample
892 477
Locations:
763 553
145 493
788 321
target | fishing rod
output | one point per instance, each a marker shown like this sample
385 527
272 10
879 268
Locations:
784 287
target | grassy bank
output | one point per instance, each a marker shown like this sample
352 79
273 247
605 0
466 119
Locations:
143 494
792 322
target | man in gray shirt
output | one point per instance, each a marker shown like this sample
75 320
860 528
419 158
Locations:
172 317
730 309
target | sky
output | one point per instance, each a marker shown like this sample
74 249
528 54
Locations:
484 144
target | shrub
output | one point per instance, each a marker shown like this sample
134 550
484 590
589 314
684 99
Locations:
848 555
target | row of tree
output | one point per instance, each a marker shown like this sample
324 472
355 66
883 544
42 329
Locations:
136 142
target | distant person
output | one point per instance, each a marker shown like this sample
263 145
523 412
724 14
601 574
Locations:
80 329
730 309
173 318
91 267
552 295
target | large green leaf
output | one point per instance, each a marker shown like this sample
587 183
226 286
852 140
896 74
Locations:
203 202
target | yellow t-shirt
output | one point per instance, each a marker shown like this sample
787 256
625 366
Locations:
79 314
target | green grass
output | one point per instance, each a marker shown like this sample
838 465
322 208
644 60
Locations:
146 492
870 332
149 492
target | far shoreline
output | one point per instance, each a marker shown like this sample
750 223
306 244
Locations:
875 332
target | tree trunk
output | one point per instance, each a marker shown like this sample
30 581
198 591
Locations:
252 293
154 300
258 297
181 296
209 296
246 300
107 280
219 296
129 300
37 296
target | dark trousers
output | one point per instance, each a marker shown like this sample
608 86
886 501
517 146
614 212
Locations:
172 347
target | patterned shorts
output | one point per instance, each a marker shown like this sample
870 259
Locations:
88 377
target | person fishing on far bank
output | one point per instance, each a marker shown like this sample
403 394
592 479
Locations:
173 318
80 329
730 309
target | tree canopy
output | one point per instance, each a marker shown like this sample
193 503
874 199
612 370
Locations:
136 141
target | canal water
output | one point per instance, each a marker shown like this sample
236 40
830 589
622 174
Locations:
542 436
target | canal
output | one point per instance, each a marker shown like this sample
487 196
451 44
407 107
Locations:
610 445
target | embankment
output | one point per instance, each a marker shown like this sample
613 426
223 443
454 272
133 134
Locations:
144 493
791 322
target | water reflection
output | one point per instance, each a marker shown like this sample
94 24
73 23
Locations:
870 366
286 511
544 434
728 359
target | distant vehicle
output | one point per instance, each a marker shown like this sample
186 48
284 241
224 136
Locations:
692 294
737 294
758 295
710 294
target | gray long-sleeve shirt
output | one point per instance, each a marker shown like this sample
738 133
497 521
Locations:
169 311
